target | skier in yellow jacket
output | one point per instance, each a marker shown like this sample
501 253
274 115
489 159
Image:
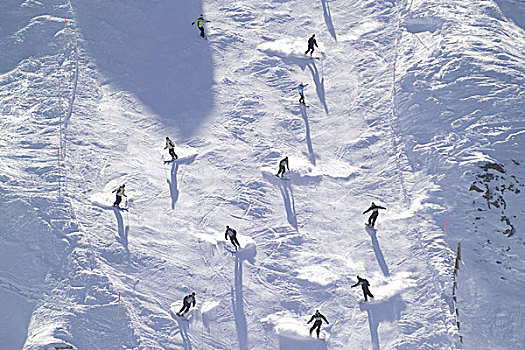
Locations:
200 23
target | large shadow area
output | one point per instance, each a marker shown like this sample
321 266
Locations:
514 10
151 50
388 310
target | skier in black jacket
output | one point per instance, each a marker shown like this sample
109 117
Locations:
364 285
311 44
232 234
187 302
319 318
171 148
283 166
120 194
375 212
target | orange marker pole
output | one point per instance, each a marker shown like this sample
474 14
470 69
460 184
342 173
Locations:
67 30
58 156
60 135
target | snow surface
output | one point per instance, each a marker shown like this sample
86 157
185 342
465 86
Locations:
416 105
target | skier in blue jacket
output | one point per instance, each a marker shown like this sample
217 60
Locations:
301 92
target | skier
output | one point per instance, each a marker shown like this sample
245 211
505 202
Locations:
188 301
200 23
319 318
375 212
364 284
301 92
171 148
232 234
120 193
282 164
311 44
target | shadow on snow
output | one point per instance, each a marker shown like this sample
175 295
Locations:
304 62
247 253
291 343
172 182
151 50
183 327
388 310
328 18
122 231
377 250
311 154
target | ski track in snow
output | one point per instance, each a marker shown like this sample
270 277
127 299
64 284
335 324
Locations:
133 73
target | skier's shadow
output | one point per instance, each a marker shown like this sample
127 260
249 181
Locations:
287 343
377 250
183 330
304 62
172 182
311 153
238 306
238 297
174 191
287 192
328 18
319 84
384 311
122 232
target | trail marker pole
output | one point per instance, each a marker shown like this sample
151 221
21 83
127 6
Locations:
58 156
394 72
60 136
455 287
67 31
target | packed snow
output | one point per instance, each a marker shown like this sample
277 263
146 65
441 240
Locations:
416 105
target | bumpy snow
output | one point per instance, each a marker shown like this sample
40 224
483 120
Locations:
415 105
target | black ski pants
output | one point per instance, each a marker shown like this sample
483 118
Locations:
172 153
117 201
317 324
309 48
301 99
366 292
185 308
235 242
281 170
372 219
202 31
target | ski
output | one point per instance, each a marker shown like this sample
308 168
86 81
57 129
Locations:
121 209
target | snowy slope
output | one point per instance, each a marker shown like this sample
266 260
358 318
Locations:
460 117
134 72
